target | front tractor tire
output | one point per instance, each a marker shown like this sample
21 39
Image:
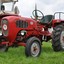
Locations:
33 47
3 48
58 38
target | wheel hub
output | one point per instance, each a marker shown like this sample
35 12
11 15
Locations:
35 49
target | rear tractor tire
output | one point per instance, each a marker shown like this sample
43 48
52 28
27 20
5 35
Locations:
33 47
58 38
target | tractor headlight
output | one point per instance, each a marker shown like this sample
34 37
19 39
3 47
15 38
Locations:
4 24
4 27
23 33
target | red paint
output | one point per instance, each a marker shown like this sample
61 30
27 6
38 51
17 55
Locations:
34 28
22 44
4 43
56 21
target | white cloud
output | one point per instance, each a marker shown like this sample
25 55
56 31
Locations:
26 7
46 6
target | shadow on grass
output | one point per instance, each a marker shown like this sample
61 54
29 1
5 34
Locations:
15 52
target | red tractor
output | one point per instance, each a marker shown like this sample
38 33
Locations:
30 32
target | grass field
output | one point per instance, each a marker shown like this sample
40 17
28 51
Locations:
17 56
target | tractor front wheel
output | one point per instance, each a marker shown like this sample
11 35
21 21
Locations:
33 47
4 48
58 38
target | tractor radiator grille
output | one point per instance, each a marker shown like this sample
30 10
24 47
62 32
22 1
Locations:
22 24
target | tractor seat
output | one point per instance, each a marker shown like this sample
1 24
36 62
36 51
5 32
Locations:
47 19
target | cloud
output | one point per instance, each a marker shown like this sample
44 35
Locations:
50 6
49 2
59 6
26 7
46 6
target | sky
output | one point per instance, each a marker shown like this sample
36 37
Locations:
46 6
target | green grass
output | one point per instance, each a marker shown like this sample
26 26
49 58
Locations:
17 56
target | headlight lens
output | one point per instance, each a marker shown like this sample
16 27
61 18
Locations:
23 33
4 24
5 27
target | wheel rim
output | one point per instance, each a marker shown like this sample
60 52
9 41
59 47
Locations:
62 39
35 49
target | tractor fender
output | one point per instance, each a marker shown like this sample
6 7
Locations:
57 22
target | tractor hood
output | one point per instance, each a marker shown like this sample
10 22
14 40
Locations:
4 15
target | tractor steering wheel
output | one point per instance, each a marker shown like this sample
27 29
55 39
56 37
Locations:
37 14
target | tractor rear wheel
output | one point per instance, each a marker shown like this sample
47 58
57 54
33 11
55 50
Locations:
58 38
33 47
